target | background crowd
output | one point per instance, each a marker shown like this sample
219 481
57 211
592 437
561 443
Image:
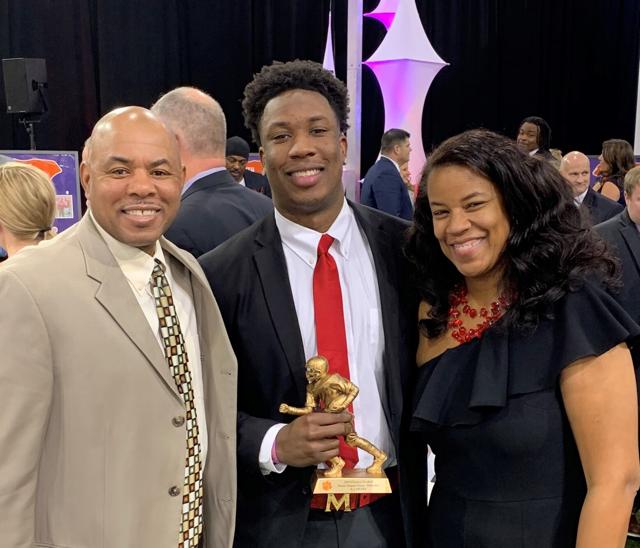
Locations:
158 377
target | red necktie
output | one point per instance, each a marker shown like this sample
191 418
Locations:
330 332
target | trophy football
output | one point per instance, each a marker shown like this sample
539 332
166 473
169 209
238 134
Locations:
332 393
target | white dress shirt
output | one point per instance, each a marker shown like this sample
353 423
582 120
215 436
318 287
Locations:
137 266
199 176
362 316
580 197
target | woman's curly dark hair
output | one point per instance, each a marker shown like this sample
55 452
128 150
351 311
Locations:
277 78
550 249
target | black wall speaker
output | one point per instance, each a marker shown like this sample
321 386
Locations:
25 81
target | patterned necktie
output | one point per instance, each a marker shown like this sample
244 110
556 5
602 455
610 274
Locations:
330 332
176 354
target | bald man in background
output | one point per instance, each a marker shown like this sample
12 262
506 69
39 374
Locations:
106 426
576 170
213 206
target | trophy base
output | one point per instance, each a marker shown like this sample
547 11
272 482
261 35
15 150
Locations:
351 481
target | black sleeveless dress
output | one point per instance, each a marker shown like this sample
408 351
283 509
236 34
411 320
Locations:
508 473
617 180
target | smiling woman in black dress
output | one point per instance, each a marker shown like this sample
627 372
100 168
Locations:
527 393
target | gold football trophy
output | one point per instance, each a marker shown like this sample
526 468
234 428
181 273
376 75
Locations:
332 393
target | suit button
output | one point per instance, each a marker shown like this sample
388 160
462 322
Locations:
174 491
177 421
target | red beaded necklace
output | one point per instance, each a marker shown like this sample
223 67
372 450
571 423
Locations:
457 299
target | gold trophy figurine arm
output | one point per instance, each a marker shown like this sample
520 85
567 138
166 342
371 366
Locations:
309 406
348 392
336 394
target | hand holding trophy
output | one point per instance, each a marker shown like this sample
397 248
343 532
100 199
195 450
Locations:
332 393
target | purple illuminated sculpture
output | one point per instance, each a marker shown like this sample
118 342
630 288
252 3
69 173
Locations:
405 65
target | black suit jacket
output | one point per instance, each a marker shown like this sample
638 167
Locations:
599 208
212 210
256 181
622 234
383 189
248 276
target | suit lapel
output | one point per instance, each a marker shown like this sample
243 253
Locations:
115 295
631 236
589 198
272 272
384 258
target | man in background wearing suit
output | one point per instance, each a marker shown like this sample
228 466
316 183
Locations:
383 187
623 233
576 171
271 282
237 156
213 206
117 379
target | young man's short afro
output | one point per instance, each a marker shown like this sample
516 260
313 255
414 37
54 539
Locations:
279 77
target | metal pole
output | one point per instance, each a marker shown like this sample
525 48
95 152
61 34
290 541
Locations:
354 85
31 130
29 126
636 146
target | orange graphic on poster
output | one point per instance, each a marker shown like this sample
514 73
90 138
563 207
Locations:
255 166
50 167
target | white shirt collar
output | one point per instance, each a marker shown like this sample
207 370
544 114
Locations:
533 151
199 176
136 265
304 241
392 161
580 197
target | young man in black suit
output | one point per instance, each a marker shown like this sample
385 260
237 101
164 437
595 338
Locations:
264 280
213 207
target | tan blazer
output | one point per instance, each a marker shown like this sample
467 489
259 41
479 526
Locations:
88 449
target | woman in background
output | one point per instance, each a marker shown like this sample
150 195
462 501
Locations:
527 393
27 206
615 160
406 179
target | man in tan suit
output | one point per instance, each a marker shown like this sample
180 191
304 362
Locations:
95 419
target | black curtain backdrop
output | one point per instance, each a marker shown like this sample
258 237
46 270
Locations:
573 62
